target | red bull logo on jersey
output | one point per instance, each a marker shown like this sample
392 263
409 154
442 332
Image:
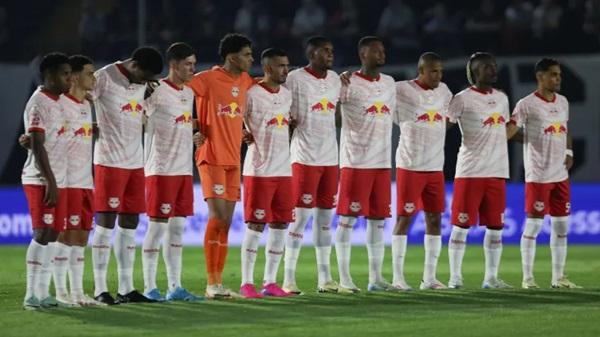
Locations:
84 131
184 118
63 128
494 119
324 106
430 116
278 121
378 109
230 110
132 107
555 128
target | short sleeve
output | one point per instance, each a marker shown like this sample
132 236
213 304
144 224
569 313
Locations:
35 119
344 93
455 109
519 115
101 84
199 84
404 105
291 85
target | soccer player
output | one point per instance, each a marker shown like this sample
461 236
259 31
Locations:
220 103
314 150
548 156
44 176
168 170
422 105
482 112
119 167
70 247
367 104
267 173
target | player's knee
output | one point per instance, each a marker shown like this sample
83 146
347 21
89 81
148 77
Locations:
257 227
128 221
106 219
402 225
560 224
278 225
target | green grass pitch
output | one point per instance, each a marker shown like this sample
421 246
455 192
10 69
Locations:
470 312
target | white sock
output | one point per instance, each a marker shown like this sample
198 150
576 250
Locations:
150 252
249 252
492 249
293 243
343 248
100 257
456 251
433 246
322 241
172 251
76 264
398 253
273 253
124 247
43 288
62 253
558 245
375 249
528 243
33 262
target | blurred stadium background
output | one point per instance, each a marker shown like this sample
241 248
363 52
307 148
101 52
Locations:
518 32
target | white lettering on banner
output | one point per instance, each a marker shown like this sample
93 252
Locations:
15 225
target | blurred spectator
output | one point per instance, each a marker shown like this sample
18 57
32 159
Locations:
253 19
517 25
309 19
344 30
482 29
397 25
546 24
92 27
440 31
591 23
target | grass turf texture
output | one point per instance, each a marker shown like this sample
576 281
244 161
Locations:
469 312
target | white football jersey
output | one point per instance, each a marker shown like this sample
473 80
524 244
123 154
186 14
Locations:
119 110
421 114
169 130
44 113
367 120
314 100
267 117
79 146
482 117
545 130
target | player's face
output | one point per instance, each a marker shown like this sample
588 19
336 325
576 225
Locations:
279 68
185 68
487 71
431 73
61 78
323 56
243 59
551 79
85 79
374 54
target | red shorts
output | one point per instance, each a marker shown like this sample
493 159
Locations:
548 198
268 199
365 192
479 197
220 181
169 196
43 216
419 190
314 185
119 190
80 209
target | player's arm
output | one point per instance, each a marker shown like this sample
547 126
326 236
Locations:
40 155
345 77
338 115
512 130
569 151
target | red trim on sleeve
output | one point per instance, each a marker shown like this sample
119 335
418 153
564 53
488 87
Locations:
314 73
34 129
271 90
366 77
544 98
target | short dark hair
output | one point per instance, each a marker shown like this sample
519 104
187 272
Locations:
51 62
272 52
474 58
77 62
545 64
429 57
233 43
179 51
367 40
316 42
148 59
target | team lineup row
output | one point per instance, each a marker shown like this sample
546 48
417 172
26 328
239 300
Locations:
290 171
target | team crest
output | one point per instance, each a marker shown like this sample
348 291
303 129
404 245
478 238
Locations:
259 214
307 198
218 189
113 202
409 207
355 206
48 219
165 208
463 217
538 206
74 220
235 91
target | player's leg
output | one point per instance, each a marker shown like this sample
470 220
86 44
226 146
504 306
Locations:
560 211
433 197
491 213
305 181
322 216
282 207
536 206
62 255
468 193
379 209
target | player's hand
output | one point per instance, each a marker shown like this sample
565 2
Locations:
292 123
51 194
89 98
247 137
345 77
150 87
25 141
568 162
198 139
95 129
